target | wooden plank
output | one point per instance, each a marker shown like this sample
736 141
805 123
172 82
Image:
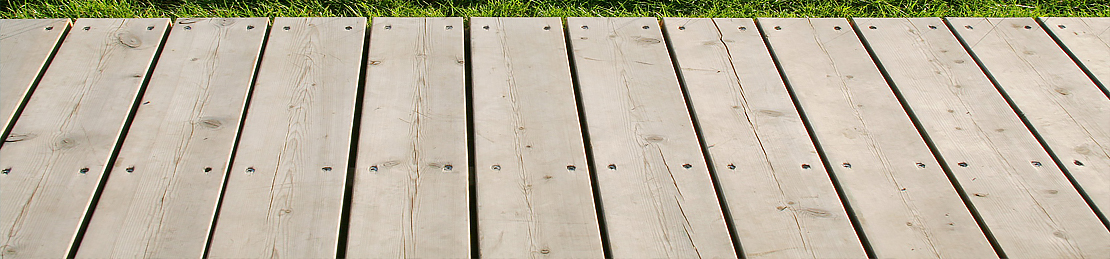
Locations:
410 196
26 45
758 144
1087 39
527 132
1027 207
56 155
284 194
161 197
904 202
658 197
1051 92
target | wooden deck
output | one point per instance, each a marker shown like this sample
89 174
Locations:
544 137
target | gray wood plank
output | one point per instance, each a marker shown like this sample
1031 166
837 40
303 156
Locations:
758 144
284 194
25 46
1026 206
162 192
56 155
527 132
1059 101
904 202
410 196
658 196
1088 40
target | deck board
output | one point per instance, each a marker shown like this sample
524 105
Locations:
1065 108
1086 39
410 195
758 144
161 195
526 133
27 45
658 197
284 193
874 148
969 122
55 158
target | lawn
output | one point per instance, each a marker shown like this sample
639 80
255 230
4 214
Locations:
564 8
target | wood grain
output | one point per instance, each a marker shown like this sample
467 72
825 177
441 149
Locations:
410 196
161 196
56 155
1069 113
658 197
284 194
26 45
904 202
1087 39
758 144
527 133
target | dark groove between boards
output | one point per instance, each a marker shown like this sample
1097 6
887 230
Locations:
472 172
34 85
352 156
852 217
929 142
1028 125
606 248
116 148
235 145
729 223
1073 57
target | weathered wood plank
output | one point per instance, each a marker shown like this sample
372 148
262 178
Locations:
410 196
1088 40
658 196
1025 205
55 158
904 202
25 46
1061 104
758 144
284 194
161 196
527 132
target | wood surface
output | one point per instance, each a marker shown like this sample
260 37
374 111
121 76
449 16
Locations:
526 134
757 143
1065 109
902 198
658 197
1086 39
161 196
55 158
284 194
410 196
25 47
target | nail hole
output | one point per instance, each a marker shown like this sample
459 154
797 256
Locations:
836 28
495 167
250 169
846 165
1035 163
680 27
584 27
731 167
374 168
968 27
207 169
86 28
547 28
687 166
191 27
349 28
612 167
1078 163
571 167
6 170
932 27
805 166
1028 27
49 28
391 27
131 169
84 170
1061 26
448 167
150 28
326 169
962 164
920 165
485 27
778 28
645 27
872 27
450 27
285 28
250 27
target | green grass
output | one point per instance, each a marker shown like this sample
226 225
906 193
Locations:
565 8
